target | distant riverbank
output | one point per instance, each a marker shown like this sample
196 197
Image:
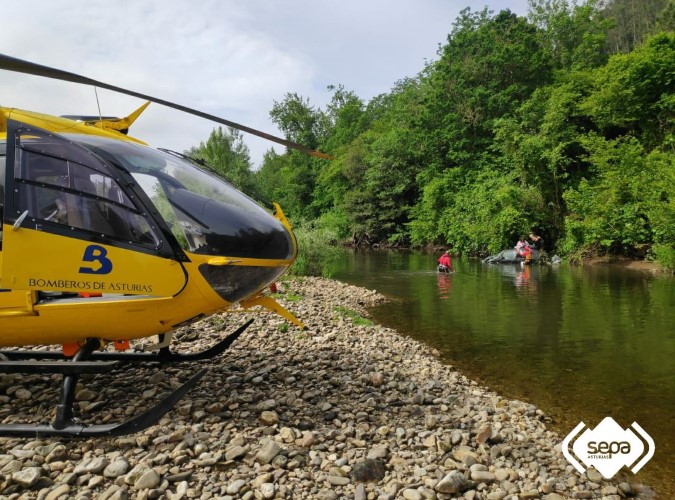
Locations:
631 264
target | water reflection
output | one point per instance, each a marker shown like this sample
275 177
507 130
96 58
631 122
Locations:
525 281
581 342
444 285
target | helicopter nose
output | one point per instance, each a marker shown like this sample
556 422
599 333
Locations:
256 246
235 282
234 230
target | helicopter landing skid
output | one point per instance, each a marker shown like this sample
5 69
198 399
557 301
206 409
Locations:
64 425
162 355
88 360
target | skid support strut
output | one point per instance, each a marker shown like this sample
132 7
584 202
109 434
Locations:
64 410
89 360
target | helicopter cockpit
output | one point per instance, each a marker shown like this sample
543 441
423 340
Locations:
157 202
206 214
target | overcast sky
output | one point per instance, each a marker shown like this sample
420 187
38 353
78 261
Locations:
229 58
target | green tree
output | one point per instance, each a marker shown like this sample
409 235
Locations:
347 118
542 142
573 36
299 121
635 93
489 67
627 206
295 173
374 179
283 179
225 152
633 21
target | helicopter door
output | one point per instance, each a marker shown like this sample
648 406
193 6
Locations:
70 227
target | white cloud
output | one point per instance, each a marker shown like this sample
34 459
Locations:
228 58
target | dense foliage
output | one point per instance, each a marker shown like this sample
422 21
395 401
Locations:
560 123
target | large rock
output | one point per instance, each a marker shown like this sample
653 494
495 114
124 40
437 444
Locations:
116 469
368 471
149 480
455 482
269 450
27 477
269 418
235 452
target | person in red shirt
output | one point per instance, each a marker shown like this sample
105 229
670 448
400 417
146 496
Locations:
445 263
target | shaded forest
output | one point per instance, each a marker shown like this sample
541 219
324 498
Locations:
561 123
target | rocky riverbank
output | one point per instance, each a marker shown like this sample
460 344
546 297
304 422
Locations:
344 409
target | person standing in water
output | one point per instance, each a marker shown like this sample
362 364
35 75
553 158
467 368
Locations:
445 263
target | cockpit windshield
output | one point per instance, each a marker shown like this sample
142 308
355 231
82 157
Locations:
206 214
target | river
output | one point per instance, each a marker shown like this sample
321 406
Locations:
582 343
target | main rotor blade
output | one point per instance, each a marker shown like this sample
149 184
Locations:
20 66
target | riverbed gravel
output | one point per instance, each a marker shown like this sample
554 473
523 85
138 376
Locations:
343 409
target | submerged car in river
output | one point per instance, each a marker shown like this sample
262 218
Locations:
511 256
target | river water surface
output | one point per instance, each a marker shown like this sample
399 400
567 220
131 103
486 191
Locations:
582 343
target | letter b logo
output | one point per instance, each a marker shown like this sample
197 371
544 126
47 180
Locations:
96 253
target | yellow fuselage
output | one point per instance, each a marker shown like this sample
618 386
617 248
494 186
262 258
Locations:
140 294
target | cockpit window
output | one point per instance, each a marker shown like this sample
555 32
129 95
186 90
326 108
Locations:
206 214
54 186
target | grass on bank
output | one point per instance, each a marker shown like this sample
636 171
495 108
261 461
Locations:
290 297
356 318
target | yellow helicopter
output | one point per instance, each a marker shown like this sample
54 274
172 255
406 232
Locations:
105 240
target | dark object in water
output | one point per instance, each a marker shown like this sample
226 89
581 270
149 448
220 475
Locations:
511 256
444 269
